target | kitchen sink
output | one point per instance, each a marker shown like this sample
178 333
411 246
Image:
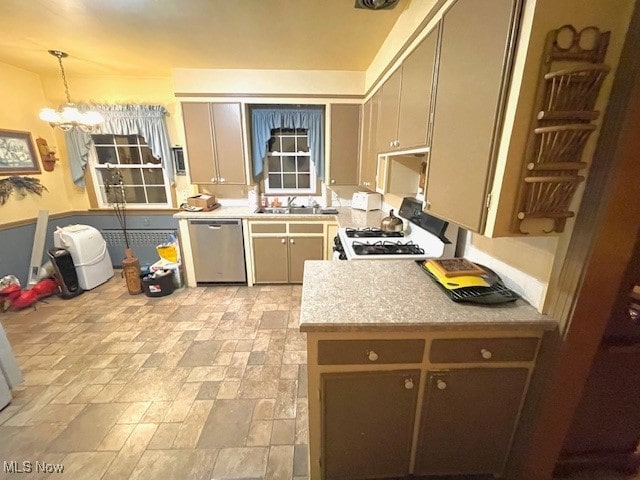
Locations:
290 210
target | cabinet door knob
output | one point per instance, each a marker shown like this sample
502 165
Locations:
373 356
391 143
486 354
441 384
283 240
214 180
222 180
333 181
291 240
408 383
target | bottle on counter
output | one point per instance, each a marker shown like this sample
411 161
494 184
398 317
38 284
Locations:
264 203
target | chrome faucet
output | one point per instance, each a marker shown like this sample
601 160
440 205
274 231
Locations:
290 201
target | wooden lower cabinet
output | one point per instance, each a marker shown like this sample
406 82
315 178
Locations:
368 420
468 418
270 259
281 259
301 249
382 406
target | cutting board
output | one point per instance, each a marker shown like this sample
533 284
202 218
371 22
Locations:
453 283
457 267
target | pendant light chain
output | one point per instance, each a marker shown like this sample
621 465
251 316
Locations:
64 79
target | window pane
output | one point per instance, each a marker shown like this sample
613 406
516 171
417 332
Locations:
303 144
128 139
275 180
102 139
134 195
129 155
288 144
274 164
147 156
131 176
304 164
153 176
106 155
157 195
288 164
289 180
304 181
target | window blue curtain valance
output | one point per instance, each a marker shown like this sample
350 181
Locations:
263 120
146 120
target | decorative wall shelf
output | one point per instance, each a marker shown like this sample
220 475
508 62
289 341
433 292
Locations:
566 100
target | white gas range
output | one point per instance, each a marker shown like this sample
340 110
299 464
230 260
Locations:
437 238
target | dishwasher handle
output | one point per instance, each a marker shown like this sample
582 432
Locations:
215 223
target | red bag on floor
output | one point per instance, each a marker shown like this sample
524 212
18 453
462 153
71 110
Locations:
25 299
46 287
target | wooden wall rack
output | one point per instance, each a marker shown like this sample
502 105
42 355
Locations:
571 76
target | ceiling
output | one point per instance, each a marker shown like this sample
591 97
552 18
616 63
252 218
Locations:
150 37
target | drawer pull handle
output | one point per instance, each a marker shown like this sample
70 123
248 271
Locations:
441 384
408 383
486 354
373 356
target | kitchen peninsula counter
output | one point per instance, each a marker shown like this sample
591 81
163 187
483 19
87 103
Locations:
397 295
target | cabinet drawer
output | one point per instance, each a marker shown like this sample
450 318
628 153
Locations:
483 350
306 228
269 228
359 352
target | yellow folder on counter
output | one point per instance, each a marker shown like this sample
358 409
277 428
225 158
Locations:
453 283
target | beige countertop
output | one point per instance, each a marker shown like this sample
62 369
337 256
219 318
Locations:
396 295
346 217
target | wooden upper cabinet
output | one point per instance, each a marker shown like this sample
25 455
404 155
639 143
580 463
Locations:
474 56
198 133
213 133
415 93
387 127
227 126
345 138
369 148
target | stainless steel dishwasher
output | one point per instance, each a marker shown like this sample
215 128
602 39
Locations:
218 250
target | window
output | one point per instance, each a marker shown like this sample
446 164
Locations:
289 165
144 180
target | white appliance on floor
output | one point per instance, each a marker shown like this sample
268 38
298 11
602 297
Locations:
10 374
5 394
89 253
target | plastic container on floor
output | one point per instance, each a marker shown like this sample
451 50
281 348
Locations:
89 253
158 284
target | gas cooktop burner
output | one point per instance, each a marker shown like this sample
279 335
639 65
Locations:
387 248
370 232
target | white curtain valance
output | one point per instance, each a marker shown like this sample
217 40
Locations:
149 121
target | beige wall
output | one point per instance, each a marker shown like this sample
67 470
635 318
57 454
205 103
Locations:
268 82
22 97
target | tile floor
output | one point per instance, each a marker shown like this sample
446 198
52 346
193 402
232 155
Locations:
207 383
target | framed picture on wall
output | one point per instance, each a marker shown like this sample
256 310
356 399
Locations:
17 155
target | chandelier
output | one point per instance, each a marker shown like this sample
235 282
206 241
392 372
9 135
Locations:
68 116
